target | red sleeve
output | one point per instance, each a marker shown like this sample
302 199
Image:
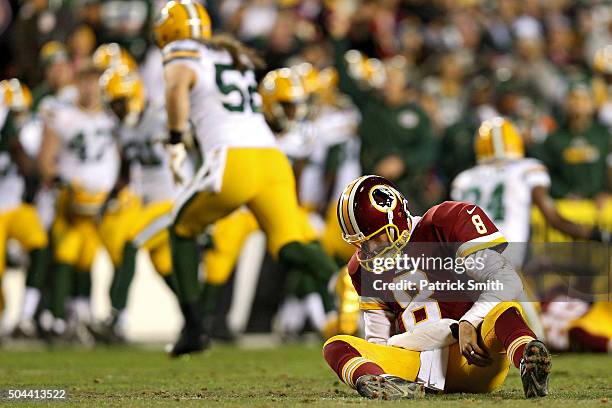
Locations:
469 226
365 302
353 264
354 270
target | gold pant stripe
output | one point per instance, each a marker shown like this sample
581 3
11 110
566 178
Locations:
350 367
516 344
152 229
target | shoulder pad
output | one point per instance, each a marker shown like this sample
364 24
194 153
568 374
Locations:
181 50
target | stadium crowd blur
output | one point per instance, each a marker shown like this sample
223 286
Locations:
449 63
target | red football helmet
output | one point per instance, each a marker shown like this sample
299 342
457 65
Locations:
374 216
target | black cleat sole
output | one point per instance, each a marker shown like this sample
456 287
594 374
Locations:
535 369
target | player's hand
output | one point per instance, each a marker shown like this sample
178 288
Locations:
177 154
468 344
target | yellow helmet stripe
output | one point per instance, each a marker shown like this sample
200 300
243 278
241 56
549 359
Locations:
194 21
351 201
348 206
343 214
343 209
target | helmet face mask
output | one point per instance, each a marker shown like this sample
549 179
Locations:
123 93
119 107
284 98
374 217
373 251
288 114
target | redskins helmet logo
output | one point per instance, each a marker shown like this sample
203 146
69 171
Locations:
383 198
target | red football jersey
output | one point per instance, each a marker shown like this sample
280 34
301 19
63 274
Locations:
446 233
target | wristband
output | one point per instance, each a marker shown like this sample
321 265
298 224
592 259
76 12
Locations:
175 137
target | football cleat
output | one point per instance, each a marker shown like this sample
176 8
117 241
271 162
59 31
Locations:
388 387
25 330
190 341
107 332
535 369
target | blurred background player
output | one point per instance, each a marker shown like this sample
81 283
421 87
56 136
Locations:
288 96
81 155
315 126
333 163
18 218
56 89
150 70
58 83
210 80
138 208
112 55
292 98
505 184
571 324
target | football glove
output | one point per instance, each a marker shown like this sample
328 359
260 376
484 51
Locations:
178 154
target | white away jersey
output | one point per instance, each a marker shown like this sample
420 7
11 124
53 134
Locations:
333 127
225 107
12 184
89 154
150 175
503 190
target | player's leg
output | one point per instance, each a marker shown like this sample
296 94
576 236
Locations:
161 257
81 303
375 371
155 240
122 278
593 331
346 320
185 264
524 350
200 205
141 227
114 232
228 237
67 244
25 226
276 209
507 338
3 239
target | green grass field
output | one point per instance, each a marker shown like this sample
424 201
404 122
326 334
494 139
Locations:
283 376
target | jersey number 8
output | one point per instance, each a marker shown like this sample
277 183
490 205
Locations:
481 228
